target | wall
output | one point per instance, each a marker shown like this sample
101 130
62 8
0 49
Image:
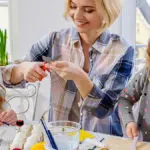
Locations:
126 23
30 20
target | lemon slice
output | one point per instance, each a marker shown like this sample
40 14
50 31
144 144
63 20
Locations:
85 134
38 146
72 133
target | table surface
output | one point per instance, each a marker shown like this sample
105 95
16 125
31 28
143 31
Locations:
7 135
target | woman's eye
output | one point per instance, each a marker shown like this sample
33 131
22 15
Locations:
89 10
73 7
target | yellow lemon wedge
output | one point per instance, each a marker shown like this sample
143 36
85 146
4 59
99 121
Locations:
85 134
72 133
38 146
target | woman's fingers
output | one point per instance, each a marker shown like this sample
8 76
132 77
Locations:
33 77
60 64
40 72
57 64
36 75
39 69
35 72
56 69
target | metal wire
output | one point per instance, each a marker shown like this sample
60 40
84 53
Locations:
21 96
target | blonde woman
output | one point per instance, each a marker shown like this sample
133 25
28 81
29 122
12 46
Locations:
137 90
93 67
7 116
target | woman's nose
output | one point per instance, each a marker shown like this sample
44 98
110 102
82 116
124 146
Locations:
78 14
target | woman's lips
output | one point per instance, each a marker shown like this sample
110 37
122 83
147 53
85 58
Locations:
79 23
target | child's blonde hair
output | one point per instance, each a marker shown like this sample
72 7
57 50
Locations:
2 96
148 56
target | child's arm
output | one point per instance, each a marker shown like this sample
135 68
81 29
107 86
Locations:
9 117
128 98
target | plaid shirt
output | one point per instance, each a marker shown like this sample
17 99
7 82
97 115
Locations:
111 63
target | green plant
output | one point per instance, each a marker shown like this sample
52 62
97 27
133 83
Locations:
3 52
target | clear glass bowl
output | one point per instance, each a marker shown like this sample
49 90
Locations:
65 133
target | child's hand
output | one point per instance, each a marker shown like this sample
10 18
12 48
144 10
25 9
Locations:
9 117
132 130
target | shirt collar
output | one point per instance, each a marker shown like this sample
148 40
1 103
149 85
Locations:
99 44
74 36
101 41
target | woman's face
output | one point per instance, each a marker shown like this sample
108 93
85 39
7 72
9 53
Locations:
85 15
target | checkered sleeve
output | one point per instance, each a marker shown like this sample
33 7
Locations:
104 99
42 47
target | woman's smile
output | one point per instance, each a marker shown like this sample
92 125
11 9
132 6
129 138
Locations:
80 23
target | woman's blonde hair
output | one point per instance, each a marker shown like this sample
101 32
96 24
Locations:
111 10
148 56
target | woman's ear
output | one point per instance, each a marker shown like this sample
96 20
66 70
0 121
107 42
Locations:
103 22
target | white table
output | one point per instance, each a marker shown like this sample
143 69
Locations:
9 135
98 137
7 138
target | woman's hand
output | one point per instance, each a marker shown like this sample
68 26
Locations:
32 71
70 71
132 130
9 117
64 69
